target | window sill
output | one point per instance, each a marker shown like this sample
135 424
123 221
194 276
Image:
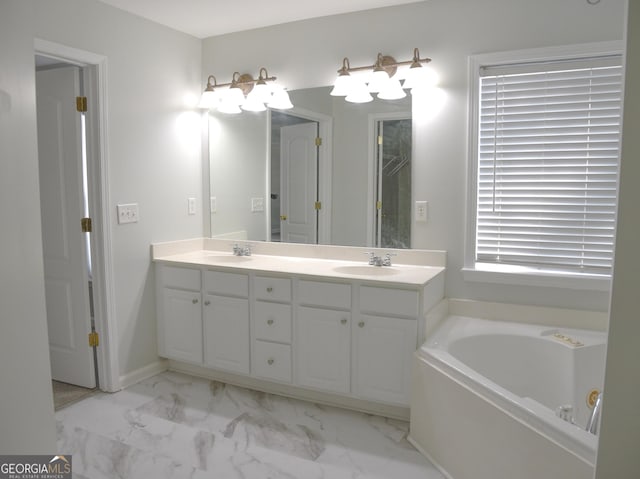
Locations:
523 276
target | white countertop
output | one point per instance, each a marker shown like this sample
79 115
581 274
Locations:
401 274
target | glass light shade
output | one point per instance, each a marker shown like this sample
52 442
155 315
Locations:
378 81
261 92
280 100
420 77
393 91
233 95
229 106
342 85
359 94
253 103
209 99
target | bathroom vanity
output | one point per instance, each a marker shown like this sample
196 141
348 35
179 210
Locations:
312 321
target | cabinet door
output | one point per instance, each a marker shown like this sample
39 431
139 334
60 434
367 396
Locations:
226 333
182 325
382 358
323 346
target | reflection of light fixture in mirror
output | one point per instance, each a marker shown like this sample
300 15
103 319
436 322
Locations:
244 92
382 79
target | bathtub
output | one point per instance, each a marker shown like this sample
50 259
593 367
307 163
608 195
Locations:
501 399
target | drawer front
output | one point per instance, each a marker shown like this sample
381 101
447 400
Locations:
272 322
272 361
180 278
273 289
318 293
231 284
397 302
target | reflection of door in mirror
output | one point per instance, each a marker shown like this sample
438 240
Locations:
393 184
294 179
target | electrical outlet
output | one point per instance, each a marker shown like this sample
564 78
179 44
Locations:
191 206
128 213
422 211
257 204
213 206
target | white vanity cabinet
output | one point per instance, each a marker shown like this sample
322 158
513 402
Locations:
271 354
345 340
226 321
323 336
179 314
385 335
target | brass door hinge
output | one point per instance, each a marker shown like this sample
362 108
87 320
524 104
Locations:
317 205
81 103
379 139
378 205
85 223
318 141
94 339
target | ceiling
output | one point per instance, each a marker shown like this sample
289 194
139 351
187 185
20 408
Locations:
206 18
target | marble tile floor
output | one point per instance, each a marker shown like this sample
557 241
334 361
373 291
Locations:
178 426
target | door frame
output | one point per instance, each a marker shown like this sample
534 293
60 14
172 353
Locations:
372 166
325 166
94 68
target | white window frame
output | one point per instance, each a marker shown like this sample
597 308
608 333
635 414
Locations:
511 274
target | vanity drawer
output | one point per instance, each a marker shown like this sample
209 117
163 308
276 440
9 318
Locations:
230 284
272 361
318 293
272 289
180 278
272 322
396 302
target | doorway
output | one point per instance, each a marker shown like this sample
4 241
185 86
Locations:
294 179
82 292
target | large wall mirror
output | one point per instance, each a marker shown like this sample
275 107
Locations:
326 171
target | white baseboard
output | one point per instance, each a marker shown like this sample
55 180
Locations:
144 372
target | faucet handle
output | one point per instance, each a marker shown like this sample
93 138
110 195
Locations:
371 255
387 258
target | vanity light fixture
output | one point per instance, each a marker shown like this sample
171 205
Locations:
384 78
244 93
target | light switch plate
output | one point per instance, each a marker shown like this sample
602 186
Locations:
422 211
257 204
128 213
191 205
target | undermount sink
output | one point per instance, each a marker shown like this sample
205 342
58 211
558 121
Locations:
366 270
228 258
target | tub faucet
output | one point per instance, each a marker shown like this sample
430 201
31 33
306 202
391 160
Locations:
594 419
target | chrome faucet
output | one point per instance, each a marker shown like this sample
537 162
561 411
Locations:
379 260
594 419
241 250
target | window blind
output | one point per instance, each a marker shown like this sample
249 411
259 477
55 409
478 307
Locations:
548 144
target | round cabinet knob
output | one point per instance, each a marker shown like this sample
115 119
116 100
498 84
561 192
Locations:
194 301
343 321
269 322
361 324
269 289
207 303
270 361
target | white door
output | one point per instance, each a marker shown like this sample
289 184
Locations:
226 333
323 339
383 351
65 252
299 183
